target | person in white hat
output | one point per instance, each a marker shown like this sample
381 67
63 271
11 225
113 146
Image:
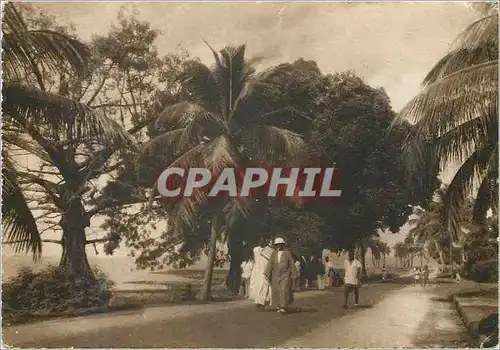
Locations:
281 272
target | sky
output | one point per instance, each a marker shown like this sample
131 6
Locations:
392 45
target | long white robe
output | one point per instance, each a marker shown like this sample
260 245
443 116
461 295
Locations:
260 291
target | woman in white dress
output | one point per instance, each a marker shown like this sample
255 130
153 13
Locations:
259 286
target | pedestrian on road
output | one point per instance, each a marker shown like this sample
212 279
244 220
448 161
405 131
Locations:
246 267
320 273
280 272
426 275
416 275
352 278
296 280
260 291
384 273
329 272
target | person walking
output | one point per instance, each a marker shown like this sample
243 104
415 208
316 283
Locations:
297 277
426 273
329 272
320 274
416 276
352 279
384 273
259 286
280 272
246 267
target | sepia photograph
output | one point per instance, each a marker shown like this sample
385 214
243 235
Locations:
241 174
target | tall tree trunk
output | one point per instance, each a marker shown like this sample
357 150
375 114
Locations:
373 261
235 250
384 259
440 253
74 257
207 281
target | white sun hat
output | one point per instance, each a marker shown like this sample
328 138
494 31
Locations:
279 240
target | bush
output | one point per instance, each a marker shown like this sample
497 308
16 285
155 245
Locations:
50 292
484 271
482 261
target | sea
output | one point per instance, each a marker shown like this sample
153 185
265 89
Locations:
120 269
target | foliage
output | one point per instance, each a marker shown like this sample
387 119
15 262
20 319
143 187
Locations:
79 136
351 131
456 117
484 271
51 292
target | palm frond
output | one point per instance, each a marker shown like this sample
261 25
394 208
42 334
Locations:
19 225
231 75
31 107
485 197
10 139
220 154
202 87
461 187
25 50
476 45
459 143
455 99
271 145
479 33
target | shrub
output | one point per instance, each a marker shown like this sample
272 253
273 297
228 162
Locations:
484 271
50 292
482 261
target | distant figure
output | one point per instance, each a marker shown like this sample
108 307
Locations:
352 268
425 276
280 272
329 272
246 267
296 280
458 278
416 275
384 273
188 294
260 291
320 273
310 272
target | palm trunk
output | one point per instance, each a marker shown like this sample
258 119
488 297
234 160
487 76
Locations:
384 259
440 252
74 257
207 281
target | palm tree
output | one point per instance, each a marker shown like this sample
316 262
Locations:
385 250
25 54
50 127
401 252
227 120
456 115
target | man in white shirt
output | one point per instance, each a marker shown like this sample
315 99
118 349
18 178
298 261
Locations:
352 269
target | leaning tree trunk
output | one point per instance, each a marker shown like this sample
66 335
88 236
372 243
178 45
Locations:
74 257
207 281
440 252
235 250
